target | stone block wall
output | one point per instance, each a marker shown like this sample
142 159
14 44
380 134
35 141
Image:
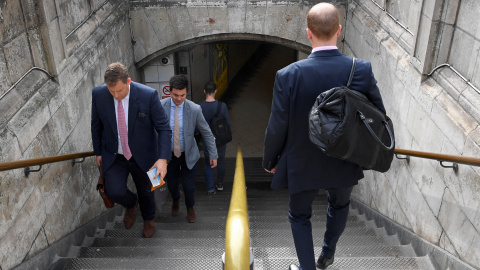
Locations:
437 114
74 41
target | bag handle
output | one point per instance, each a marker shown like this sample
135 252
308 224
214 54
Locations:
352 71
364 120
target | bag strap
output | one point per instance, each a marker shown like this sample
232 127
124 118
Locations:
218 108
392 140
352 71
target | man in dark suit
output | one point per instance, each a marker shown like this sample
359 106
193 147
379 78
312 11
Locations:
297 163
130 135
185 117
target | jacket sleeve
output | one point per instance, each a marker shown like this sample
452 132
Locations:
202 126
96 126
161 124
277 129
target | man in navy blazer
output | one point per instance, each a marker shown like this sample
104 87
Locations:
130 135
297 163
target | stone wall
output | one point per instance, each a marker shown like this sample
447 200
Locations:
437 113
40 117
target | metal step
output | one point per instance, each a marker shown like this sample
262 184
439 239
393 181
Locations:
178 244
361 263
357 263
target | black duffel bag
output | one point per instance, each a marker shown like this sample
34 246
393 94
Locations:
344 124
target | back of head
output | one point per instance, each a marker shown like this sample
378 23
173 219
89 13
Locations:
116 72
323 20
179 82
210 88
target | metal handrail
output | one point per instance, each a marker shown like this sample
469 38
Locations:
41 161
237 233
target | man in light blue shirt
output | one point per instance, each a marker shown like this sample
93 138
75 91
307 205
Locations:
185 117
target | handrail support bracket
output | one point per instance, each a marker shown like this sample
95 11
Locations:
79 161
406 157
27 170
454 166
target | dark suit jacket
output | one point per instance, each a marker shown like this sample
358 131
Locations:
149 131
300 164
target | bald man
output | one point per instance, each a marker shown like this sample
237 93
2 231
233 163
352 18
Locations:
297 164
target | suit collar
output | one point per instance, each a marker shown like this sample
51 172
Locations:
132 107
325 53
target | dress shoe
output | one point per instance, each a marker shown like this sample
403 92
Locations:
323 262
129 217
148 228
176 206
191 216
294 267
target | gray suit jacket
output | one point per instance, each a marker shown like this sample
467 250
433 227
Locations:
193 119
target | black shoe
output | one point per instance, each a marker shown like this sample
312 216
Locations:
210 193
293 267
323 262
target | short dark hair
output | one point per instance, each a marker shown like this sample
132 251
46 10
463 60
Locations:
115 72
323 24
210 88
178 82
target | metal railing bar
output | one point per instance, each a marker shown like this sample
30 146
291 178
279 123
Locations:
40 161
456 72
237 233
394 19
84 21
440 157
23 76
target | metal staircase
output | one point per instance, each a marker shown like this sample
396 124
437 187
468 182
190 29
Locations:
178 244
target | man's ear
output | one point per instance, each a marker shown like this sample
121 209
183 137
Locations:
339 30
309 34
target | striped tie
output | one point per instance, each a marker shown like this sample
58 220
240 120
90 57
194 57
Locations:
122 129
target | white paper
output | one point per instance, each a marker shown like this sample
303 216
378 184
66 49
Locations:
151 175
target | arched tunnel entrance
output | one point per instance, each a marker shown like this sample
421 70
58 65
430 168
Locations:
244 72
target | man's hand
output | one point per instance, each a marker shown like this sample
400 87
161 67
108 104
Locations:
272 171
99 161
161 166
213 163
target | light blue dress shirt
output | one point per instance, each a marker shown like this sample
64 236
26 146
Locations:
180 121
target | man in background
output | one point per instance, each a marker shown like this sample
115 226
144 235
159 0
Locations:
209 109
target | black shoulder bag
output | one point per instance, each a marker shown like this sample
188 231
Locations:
344 124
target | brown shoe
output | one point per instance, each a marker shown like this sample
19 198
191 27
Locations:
191 216
148 228
176 206
129 217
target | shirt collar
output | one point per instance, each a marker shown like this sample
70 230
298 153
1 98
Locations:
172 104
324 48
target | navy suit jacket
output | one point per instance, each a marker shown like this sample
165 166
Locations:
300 164
149 131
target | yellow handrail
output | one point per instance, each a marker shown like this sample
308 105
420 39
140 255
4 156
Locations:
237 235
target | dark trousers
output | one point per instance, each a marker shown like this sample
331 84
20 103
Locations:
116 186
300 213
177 167
220 167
